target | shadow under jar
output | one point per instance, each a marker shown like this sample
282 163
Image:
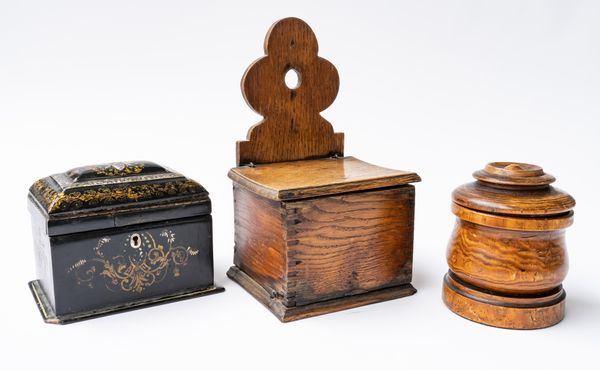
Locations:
507 255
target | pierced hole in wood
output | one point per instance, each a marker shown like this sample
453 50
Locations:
135 241
292 79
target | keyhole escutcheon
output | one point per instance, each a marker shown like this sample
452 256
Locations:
135 241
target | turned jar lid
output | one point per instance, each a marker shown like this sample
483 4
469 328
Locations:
511 188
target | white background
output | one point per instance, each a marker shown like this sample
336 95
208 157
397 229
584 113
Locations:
440 88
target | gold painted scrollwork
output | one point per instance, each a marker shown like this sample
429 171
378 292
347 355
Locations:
63 201
119 169
134 273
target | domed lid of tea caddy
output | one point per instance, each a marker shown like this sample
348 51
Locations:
116 194
513 188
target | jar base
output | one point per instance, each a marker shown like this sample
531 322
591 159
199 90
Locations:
502 310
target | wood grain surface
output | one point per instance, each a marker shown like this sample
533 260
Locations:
349 244
508 260
302 252
259 238
514 201
287 314
545 223
507 254
316 232
527 312
292 128
302 179
514 174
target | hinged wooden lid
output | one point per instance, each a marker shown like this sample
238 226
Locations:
293 152
116 194
318 177
513 188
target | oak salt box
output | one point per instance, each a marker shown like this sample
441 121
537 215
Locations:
315 231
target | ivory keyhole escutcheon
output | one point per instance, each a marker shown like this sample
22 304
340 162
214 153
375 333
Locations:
135 241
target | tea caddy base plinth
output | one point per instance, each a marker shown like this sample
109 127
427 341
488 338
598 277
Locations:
503 310
50 316
287 314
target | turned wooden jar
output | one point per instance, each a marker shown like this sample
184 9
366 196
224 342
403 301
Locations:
507 255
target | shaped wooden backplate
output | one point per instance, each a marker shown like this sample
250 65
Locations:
292 128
